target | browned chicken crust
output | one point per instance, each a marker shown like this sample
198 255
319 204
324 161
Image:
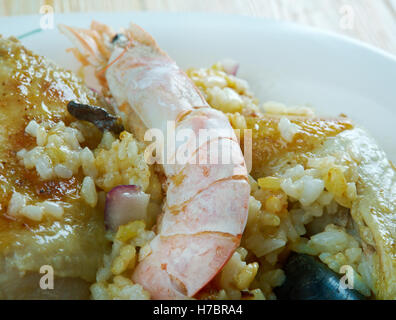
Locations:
32 88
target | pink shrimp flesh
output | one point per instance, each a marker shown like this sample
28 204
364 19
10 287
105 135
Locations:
206 204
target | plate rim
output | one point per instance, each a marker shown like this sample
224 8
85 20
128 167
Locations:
263 21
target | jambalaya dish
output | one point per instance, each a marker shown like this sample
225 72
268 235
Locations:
93 186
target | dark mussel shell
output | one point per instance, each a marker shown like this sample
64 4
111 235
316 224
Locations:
309 279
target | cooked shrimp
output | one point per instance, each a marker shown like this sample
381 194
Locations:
206 203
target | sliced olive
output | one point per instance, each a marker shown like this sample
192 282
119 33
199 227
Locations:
309 279
101 118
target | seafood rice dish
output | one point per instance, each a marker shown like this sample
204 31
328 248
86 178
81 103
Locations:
145 181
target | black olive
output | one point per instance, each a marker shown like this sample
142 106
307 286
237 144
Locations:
96 115
309 279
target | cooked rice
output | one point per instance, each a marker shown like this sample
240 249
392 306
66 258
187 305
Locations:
17 207
88 192
59 155
121 163
287 129
113 279
223 91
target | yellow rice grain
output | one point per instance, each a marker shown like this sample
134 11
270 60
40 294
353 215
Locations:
126 260
270 183
130 230
245 277
273 204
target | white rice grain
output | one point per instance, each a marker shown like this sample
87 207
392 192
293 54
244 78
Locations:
88 192
33 212
32 128
53 209
312 189
63 172
287 129
16 203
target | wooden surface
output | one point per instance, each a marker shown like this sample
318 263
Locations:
372 21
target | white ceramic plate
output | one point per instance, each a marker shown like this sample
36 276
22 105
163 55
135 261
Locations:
283 62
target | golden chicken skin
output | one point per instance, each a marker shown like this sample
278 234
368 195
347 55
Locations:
45 219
